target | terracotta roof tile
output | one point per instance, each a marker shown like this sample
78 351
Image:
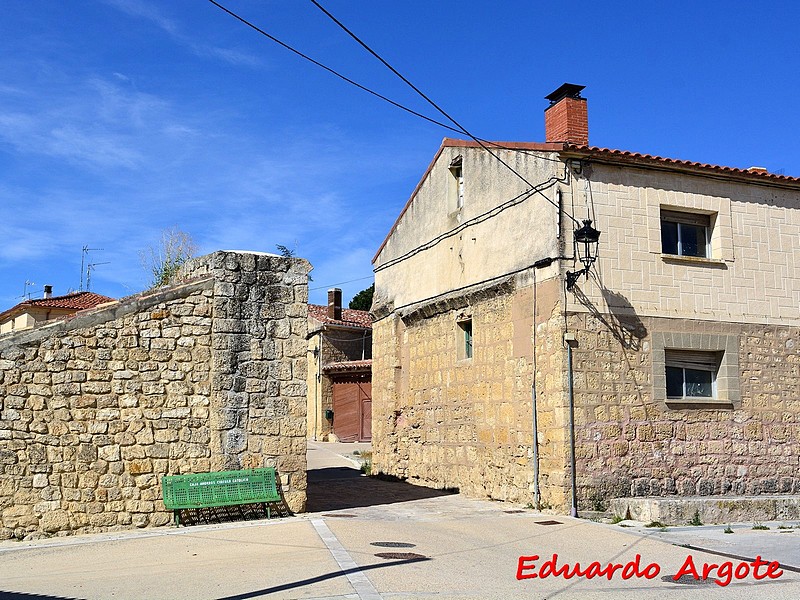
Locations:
74 302
628 156
348 366
350 317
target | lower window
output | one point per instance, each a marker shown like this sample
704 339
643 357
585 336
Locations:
691 373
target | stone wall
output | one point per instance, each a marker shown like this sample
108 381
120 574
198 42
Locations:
631 444
206 375
449 423
446 422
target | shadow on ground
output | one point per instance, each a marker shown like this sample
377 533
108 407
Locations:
337 488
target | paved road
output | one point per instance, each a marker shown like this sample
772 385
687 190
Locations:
435 545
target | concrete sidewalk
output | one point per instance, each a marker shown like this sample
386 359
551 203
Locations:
372 539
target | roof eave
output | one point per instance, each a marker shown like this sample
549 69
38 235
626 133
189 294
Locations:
612 157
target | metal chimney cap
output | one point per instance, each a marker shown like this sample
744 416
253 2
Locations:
567 90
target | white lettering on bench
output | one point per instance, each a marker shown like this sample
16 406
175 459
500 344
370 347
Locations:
220 482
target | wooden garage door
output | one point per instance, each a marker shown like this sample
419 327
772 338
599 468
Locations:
352 411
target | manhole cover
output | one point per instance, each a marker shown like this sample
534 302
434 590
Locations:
513 512
401 556
340 515
393 544
548 522
686 580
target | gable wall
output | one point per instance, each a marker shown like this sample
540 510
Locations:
498 243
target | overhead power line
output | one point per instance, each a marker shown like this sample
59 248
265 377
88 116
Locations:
332 71
363 87
458 128
405 80
322 287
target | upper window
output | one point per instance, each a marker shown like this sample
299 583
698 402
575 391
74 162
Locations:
685 234
691 374
457 183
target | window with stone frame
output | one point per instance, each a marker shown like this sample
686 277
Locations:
685 233
691 374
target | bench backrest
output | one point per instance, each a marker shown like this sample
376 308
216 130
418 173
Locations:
222 488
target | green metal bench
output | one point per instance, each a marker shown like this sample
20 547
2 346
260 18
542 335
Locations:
222 488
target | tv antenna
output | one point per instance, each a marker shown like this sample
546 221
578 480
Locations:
84 254
25 292
89 268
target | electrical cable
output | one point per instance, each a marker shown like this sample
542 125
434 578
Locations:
322 287
518 199
454 291
431 102
332 71
497 145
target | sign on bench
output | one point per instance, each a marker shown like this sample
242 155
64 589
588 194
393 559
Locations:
223 488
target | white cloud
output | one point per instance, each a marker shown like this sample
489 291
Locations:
151 12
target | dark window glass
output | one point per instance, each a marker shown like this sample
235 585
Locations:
468 339
674 382
698 383
692 240
464 340
669 237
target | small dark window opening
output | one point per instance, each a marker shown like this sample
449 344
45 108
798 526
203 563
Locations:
465 328
457 182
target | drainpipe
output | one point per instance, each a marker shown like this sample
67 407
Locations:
537 495
318 401
569 338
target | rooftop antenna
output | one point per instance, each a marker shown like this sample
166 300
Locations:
25 292
89 268
84 253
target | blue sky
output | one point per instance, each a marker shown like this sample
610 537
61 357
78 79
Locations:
122 118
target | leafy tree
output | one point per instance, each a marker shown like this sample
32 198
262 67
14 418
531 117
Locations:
164 260
363 299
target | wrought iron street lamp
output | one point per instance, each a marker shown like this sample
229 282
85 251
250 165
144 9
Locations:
586 241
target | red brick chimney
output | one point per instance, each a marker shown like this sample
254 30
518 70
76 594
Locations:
335 304
566 119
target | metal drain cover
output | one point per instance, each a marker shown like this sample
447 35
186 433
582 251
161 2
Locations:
393 544
340 515
548 522
401 556
686 580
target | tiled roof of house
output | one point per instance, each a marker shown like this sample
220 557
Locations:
349 366
77 301
350 317
636 157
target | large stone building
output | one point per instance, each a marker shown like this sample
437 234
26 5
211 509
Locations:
674 358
